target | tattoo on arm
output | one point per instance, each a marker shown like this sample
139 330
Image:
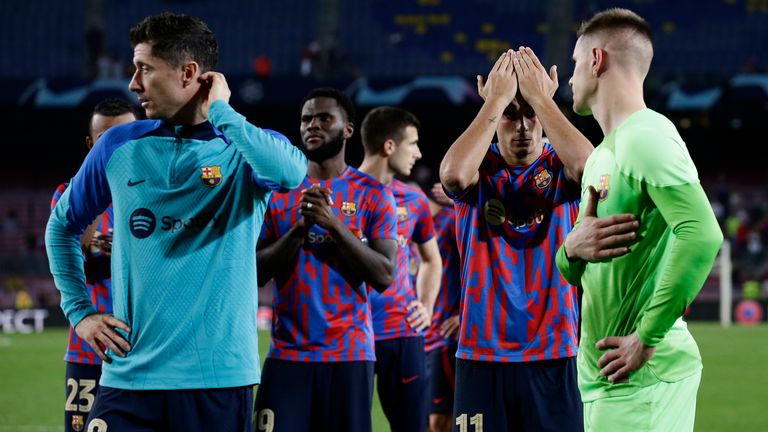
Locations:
492 119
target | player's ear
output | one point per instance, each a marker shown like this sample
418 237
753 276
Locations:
189 73
89 142
599 61
349 129
389 147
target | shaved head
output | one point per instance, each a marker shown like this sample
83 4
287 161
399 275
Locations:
624 35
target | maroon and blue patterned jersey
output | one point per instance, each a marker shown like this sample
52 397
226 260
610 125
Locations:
515 305
447 303
414 225
98 279
320 310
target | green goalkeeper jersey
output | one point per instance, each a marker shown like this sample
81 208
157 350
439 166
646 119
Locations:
643 168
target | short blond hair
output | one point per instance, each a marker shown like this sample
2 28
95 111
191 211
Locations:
624 33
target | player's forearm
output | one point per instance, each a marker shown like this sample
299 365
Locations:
376 268
275 161
65 259
570 269
695 240
460 165
572 147
280 256
428 283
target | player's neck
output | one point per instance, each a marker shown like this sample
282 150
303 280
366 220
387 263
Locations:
377 168
328 169
189 115
521 156
616 102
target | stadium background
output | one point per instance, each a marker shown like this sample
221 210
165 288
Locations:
58 58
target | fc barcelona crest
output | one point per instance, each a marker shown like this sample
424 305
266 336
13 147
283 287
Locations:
602 187
542 179
211 176
77 423
348 208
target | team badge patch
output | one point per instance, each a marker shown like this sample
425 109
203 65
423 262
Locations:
602 187
77 423
211 176
402 213
542 179
348 208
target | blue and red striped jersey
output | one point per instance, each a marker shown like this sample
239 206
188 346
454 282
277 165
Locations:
414 225
320 309
515 304
98 279
447 303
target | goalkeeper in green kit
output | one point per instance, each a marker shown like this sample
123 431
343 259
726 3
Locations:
643 244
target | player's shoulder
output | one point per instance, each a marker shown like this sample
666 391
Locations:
364 180
134 130
409 191
649 147
124 133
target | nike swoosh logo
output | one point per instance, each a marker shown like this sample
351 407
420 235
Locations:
134 183
437 400
411 379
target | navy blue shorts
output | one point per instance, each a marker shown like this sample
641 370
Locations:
441 369
401 380
529 396
314 396
82 383
203 410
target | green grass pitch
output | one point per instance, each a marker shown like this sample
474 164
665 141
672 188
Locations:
732 396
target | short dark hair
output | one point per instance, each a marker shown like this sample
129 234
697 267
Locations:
383 123
177 38
113 107
616 19
339 96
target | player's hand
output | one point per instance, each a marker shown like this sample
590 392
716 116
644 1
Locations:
626 354
438 194
502 81
98 331
315 207
418 317
450 328
215 87
103 243
597 239
535 83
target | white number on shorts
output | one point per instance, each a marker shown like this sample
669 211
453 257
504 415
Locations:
84 394
476 421
266 420
97 425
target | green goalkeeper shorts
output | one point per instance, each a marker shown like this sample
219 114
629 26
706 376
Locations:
661 407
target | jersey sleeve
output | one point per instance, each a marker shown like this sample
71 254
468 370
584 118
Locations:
277 164
425 227
86 197
570 269
384 217
696 239
268 228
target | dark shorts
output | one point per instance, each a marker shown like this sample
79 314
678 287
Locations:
529 396
441 369
314 396
401 380
203 410
82 382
